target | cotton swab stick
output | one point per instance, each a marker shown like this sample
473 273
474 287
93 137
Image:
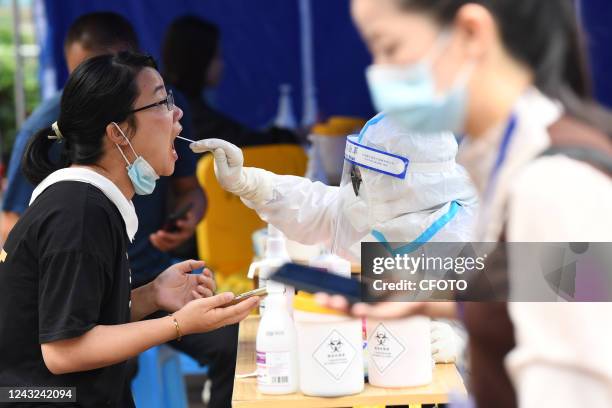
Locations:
185 139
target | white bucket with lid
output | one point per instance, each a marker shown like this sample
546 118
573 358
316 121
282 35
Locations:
329 350
399 352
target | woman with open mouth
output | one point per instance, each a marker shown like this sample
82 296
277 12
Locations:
68 316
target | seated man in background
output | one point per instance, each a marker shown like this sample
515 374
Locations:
192 63
150 253
86 38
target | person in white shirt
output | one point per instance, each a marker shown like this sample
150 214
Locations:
505 73
68 315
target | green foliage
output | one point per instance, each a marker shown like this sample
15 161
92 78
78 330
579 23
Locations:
7 81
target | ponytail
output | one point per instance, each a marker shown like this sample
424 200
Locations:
36 163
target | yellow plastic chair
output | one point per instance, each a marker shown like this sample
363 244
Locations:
224 235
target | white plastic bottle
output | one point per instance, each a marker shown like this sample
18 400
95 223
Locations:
276 349
276 256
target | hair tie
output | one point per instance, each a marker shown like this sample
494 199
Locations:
58 135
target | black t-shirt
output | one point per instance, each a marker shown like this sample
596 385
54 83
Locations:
64 270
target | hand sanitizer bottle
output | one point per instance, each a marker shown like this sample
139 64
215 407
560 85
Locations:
276 347
275 257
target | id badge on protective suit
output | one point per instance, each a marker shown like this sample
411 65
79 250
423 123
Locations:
376 160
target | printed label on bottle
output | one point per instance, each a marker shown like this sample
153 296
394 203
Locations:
385 349
273 368
335 354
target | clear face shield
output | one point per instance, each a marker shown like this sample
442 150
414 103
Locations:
371 178
400 187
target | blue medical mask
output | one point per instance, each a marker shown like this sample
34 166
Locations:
408 94
141 174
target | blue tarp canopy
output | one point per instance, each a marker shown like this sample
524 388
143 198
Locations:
262 48
261 45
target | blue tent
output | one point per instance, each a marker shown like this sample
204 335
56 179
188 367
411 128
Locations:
263 45
596 16
262 48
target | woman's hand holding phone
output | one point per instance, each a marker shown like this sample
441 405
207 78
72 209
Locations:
203 315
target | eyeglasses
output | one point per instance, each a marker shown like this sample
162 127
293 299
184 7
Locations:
355 179
168 101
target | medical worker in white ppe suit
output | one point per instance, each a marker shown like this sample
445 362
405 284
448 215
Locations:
397 186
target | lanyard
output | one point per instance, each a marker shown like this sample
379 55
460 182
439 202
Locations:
425 237
501 156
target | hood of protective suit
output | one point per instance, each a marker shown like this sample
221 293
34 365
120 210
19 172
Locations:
402 208
433 178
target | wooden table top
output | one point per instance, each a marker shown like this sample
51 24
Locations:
446 378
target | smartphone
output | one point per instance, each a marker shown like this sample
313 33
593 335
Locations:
314 280
261 292
170 224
